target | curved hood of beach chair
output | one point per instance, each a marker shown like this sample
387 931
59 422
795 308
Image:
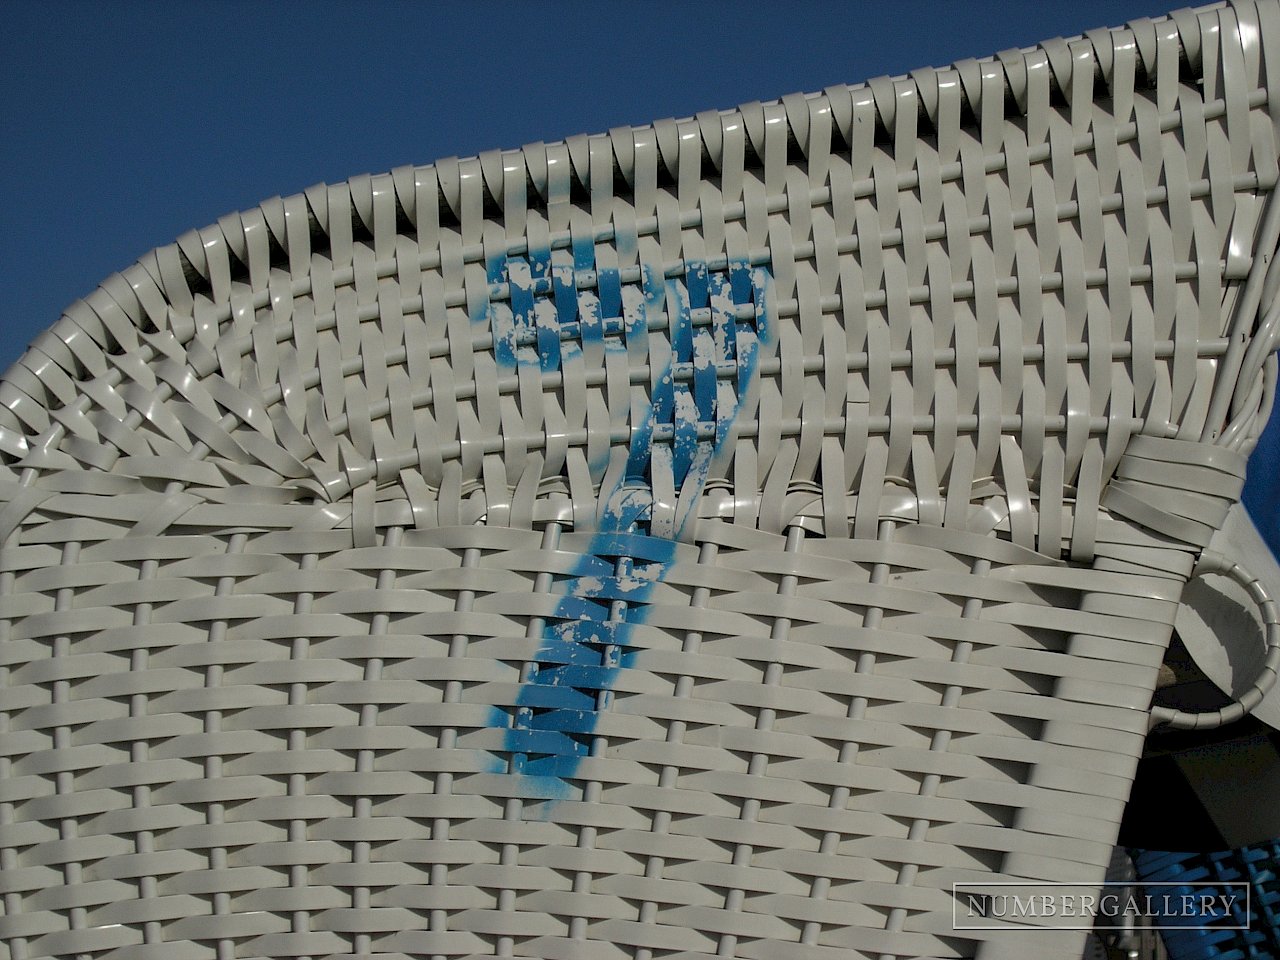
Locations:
713 538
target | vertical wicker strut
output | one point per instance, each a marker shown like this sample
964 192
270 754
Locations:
715 538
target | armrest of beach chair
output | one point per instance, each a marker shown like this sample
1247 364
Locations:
719 537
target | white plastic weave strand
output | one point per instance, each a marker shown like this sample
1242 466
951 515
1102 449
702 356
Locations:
715 538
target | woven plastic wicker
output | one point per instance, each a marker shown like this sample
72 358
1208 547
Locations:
715 538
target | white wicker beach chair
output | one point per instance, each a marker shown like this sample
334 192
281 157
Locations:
715 538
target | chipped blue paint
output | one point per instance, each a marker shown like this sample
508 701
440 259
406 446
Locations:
546 321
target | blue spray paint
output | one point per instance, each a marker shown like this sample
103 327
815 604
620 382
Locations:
695 396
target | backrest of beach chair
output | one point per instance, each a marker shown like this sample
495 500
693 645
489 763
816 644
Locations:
712 538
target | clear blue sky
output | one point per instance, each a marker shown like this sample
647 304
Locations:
124 124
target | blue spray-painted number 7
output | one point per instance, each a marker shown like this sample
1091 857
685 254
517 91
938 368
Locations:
718 327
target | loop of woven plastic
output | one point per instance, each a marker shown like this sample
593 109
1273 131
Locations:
1268 670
